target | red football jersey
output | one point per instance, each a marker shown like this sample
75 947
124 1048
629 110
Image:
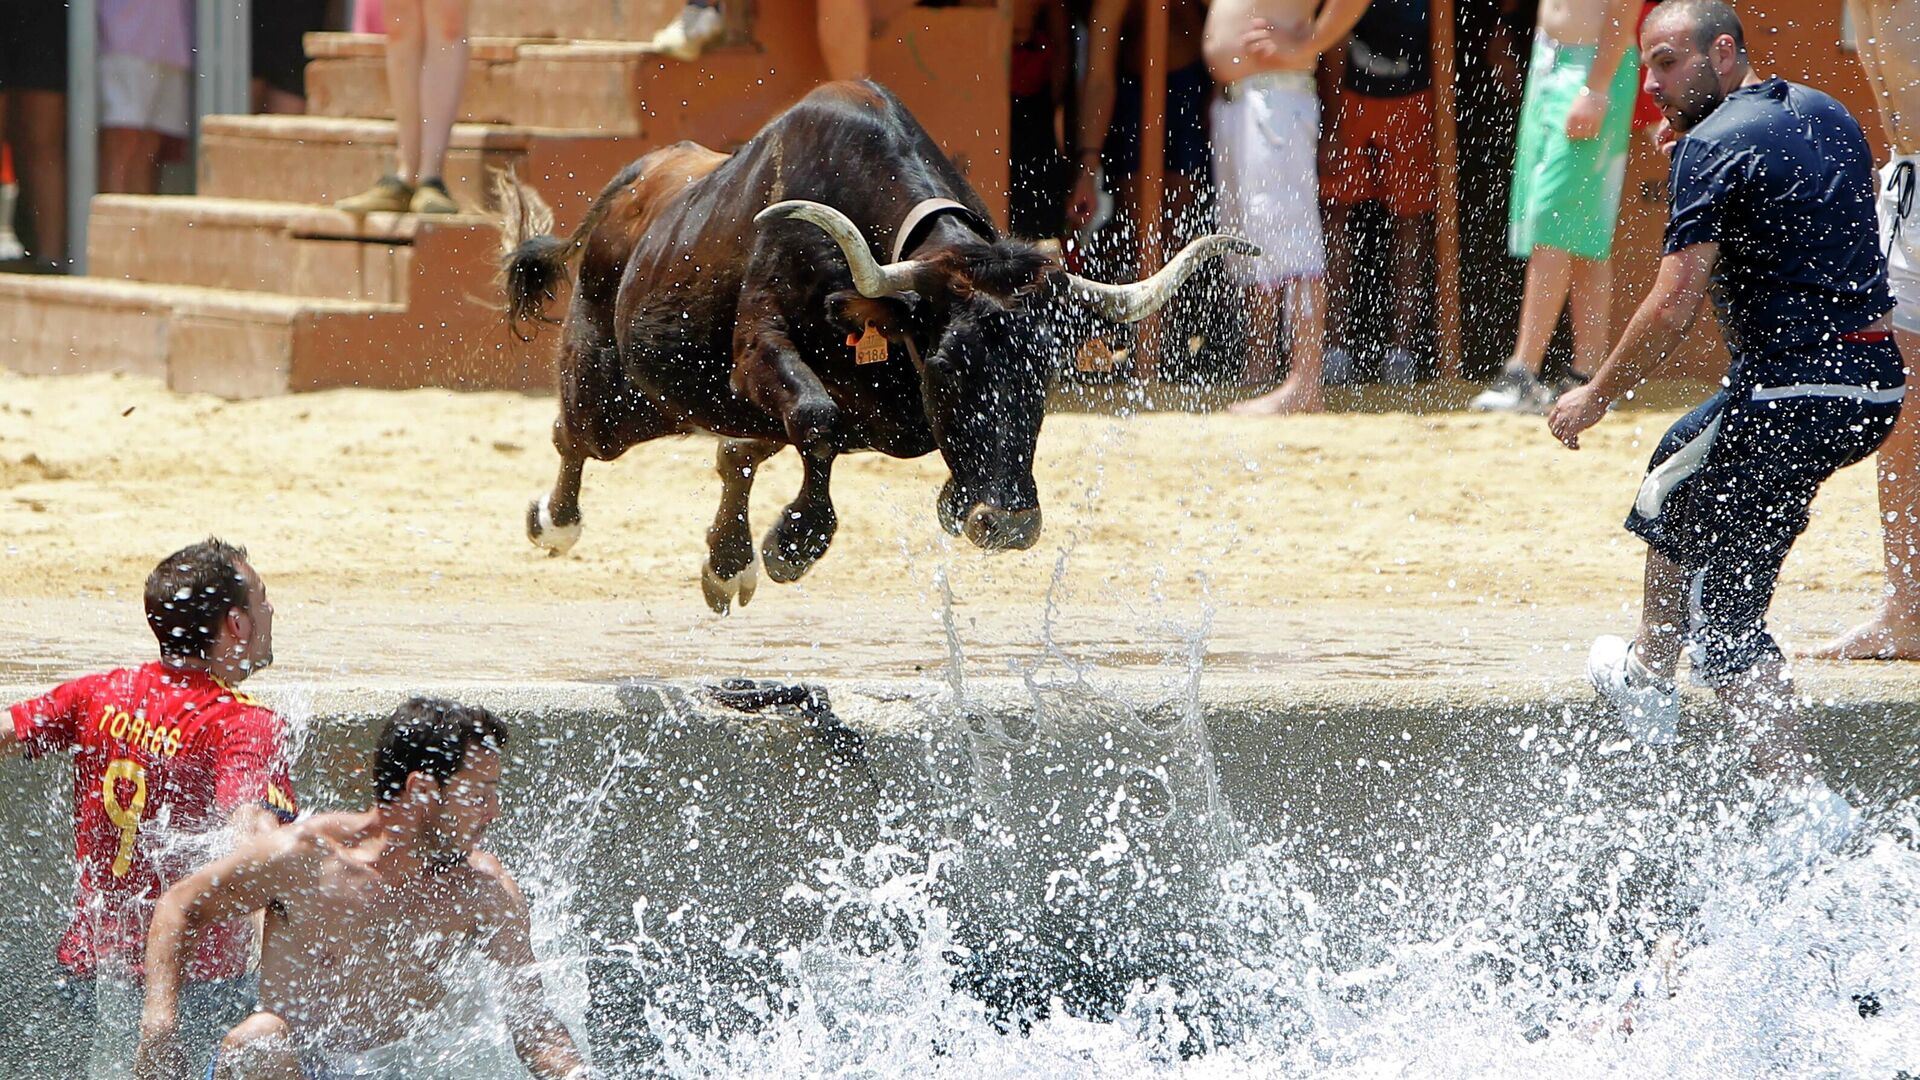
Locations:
161 756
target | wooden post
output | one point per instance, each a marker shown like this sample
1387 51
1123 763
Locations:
1151 181
1446 218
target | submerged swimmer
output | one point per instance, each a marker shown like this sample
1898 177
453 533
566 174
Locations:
364 914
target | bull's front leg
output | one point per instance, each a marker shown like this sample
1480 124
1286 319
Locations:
772 375
728 576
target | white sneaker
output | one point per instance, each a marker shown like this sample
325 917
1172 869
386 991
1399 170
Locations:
689 33
1515 390
1647 707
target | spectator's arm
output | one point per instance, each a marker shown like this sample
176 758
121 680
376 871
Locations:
1098 88
1336 20
541 1041
1651 336
1589 111
1061 34
262 867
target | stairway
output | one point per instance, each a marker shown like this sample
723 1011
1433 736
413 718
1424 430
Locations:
255 286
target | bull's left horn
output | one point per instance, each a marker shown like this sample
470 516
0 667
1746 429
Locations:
1131 303
871 278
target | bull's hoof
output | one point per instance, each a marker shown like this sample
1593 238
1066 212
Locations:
724 593
952 515
544 532
791 548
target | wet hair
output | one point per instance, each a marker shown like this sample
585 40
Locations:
1709 19
189 595
432 736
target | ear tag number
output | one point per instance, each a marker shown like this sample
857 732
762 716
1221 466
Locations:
125 815
871 348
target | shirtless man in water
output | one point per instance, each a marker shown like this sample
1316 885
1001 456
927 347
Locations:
1266 139
364 913
1887 33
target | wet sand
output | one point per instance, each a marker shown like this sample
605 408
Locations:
388 526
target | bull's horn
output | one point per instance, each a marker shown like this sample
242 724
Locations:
871 278
1131 303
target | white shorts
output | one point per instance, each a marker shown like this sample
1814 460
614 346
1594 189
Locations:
1900 237
1266 141
145 96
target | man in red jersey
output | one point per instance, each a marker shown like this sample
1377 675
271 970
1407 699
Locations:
165 756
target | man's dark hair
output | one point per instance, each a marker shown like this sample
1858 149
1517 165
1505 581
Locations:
189 595
1710 19
431 736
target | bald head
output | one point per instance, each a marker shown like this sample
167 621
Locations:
1695 54
1708 19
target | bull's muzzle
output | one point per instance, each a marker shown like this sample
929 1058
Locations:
1003 530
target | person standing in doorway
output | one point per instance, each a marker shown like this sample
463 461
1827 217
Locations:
1888 37
1771 197
426 72
1382 151
1569 164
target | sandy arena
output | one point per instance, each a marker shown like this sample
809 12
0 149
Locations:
1444 546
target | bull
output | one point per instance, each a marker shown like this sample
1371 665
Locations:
720 293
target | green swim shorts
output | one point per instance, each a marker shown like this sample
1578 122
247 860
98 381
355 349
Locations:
1566 192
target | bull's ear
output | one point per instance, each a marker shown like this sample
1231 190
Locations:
851 313
1008 269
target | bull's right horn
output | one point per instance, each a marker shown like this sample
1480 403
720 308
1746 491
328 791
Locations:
1131 303
871 278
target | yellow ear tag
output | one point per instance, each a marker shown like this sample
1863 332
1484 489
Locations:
871 348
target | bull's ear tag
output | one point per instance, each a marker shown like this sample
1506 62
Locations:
871 348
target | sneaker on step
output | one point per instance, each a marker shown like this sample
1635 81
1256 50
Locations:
1515 390
1648 707
432 197
391 195
1399 368
689 33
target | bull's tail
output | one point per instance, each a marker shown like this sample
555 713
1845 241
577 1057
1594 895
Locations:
533 261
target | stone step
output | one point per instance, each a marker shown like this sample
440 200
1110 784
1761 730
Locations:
270 247
620 20
318 159
603 87
234 343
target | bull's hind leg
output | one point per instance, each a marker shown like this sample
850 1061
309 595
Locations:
728 576
553 519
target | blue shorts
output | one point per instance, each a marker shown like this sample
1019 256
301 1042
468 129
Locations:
1727 493
1189 89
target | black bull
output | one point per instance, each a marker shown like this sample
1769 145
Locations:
719 293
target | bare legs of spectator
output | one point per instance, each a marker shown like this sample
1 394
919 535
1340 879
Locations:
1551 274
1894 633
129 161
1306 304
35 123
426 71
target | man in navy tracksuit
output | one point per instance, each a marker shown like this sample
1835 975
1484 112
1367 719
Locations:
1771 200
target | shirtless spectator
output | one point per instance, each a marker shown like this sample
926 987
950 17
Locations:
1888 34
163 757
1569 165
365 914
1266 137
